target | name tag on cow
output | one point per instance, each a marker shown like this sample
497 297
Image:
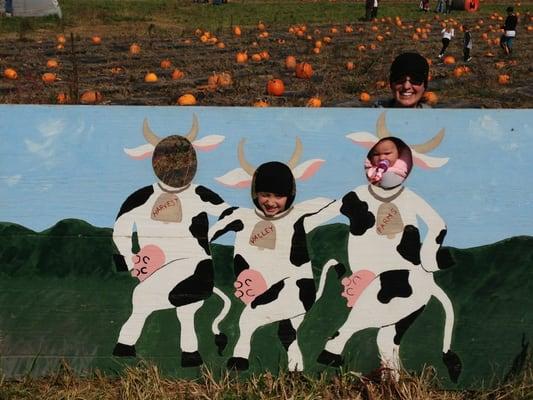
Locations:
389 221
263 235
167 208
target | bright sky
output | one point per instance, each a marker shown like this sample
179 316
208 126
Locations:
68 162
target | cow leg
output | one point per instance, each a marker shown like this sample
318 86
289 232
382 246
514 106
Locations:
294 353
389 353
190 357
130 332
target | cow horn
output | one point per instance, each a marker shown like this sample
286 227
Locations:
296 154
242 160
150 136
430 144
381 127
191 136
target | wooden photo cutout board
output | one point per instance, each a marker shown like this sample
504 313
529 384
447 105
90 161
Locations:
106 261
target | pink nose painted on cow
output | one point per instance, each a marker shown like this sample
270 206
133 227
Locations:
148 260
249 284
355 284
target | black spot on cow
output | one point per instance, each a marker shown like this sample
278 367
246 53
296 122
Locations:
191 359
394 284
445 258
238 363
409 246
269 295
221 341
440 237
239 264
357 212
208 195
234 226
199 228
197 287
286 333
299 253
136 199
120 262
402 325
307 292
227 211
454 365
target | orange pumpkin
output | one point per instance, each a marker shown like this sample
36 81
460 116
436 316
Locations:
350 65
237 30
458 72
241 57
304 70
221 45
504 79
364 97
256 57
187 100
314 102
91 97
135 48
61 39
449 60
52 63
431 97
62 98
150 77
265 55
261 103
48 77
290 62
177 74
165 64
275 87
96 40
261 26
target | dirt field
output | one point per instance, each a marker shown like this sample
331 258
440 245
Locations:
119 76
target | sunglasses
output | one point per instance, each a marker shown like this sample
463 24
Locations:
413 81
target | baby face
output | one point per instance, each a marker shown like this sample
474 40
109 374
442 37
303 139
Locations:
384 150
271 203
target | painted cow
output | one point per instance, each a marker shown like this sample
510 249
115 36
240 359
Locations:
170 218
392 268
273 272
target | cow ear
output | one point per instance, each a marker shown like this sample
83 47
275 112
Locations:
208 143
236 178
428 162
141 152
307 169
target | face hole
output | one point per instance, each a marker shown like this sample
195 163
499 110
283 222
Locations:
174 161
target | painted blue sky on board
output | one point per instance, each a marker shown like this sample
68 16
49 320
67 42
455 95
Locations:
68 162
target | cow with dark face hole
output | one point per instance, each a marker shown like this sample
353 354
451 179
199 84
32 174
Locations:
392 266
173 264
274 278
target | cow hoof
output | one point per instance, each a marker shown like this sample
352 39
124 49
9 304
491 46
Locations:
238 363
193 359
330 359
124 350
454 365
221 341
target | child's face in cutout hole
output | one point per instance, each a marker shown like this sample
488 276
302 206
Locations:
271 203
384 150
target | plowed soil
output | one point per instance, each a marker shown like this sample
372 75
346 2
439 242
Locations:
119 76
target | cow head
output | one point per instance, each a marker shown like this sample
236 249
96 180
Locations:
407 154
174 157
274 176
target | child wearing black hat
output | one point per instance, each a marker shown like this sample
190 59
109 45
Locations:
408 81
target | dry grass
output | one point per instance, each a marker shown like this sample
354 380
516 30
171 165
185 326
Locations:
146 383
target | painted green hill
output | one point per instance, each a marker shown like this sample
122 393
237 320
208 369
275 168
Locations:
62 299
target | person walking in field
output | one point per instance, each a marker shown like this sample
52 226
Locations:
447 35
448 6
467 44
509 33
440 6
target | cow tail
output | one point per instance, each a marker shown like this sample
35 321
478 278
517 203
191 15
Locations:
223 313
323 277
449 316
